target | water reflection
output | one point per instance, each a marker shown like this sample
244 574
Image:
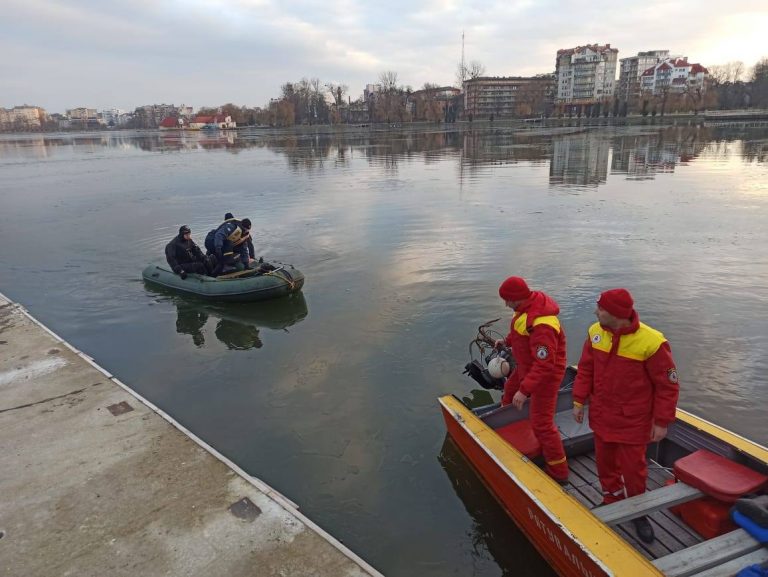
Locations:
237 324
577 156
641 157
493 531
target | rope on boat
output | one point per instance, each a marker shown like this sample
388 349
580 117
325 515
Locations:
286 276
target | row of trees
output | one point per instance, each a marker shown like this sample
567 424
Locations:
310 101
735 87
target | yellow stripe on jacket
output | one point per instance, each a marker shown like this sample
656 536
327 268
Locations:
521 323
639 346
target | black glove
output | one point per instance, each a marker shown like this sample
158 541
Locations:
183 274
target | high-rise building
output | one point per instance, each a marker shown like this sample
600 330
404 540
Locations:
632 68
586 75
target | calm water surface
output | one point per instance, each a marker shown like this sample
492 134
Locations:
404 238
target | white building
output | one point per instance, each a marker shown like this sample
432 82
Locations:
631 70
370 90
586 74
673 75
112 117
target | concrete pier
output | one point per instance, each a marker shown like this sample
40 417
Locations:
96 481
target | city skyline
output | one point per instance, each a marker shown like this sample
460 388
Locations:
61 55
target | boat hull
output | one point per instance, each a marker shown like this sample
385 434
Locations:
244 289
569 537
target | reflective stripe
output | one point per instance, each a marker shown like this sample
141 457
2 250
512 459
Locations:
552 321
235 235
617 493
242 239
556 462
521 323
638 346
577 404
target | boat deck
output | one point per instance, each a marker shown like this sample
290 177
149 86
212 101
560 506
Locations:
672 534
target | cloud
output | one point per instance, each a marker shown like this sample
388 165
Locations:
62 54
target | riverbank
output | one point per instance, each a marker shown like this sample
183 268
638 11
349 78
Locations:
97 481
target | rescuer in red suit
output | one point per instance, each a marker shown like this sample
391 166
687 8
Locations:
627 373
538 345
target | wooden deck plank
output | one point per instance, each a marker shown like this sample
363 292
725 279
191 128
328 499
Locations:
658 477
670 529
733 566
639 505
583 471
708 554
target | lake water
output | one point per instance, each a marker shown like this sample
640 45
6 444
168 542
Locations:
404 239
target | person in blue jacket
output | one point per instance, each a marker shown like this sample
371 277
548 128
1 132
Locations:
229 244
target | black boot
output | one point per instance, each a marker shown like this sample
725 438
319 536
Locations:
643 529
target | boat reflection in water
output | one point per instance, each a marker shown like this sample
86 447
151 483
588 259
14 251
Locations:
493 531
237 324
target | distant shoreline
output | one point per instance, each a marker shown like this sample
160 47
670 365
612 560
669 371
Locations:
535 125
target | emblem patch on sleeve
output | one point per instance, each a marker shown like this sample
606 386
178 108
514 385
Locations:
542 352
672 375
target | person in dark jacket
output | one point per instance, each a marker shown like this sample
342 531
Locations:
244 246
184 256
230 243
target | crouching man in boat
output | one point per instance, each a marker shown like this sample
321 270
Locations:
627 373
228 245
184 256
538 345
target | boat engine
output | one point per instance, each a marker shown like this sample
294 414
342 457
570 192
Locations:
489 366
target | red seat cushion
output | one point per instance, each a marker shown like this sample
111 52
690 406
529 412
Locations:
717 476
520 435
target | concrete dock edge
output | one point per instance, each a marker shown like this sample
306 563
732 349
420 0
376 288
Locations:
324 555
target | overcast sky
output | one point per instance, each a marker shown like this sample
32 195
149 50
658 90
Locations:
62 54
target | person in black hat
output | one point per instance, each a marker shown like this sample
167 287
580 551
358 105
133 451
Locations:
184 256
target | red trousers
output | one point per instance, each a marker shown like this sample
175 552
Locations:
542 416
622 469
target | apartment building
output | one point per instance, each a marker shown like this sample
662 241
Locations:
586 75
509 96
631 70
674 76
22 118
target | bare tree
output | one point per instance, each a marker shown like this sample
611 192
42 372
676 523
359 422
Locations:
475 69
388 80
337 92
461 75
729 72
388 104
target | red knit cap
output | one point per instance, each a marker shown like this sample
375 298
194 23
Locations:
617 302
514 289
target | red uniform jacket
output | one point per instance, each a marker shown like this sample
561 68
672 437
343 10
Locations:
538 344
630 379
